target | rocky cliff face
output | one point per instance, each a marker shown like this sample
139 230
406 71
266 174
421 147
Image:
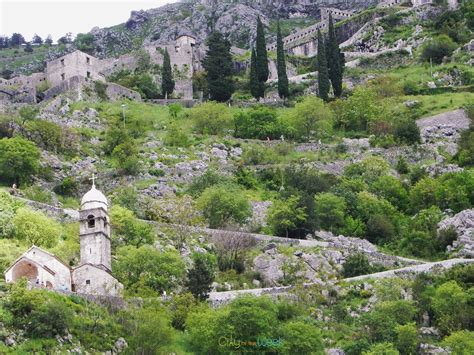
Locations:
237 19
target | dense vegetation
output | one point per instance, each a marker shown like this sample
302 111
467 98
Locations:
351 161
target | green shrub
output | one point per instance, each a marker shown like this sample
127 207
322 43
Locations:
355 265
223 205
437 48
211 118
19 160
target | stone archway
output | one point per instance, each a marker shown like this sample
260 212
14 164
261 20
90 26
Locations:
25 268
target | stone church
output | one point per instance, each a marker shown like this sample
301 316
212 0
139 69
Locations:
94 273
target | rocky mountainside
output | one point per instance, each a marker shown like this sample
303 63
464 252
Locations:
236 19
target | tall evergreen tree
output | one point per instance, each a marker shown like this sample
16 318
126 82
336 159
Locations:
283 90
219 67
167 82
200 279
257 89
261 51
335 59
323 76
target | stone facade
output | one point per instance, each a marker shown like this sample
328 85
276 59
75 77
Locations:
40 268
73 64
94 230
93 275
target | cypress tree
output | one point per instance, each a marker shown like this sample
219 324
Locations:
283 89
334 59
261 51
167 82
256 87
323 76
219 67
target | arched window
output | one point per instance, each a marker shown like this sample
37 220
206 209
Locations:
90 221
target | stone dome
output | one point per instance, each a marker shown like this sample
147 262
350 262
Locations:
94 199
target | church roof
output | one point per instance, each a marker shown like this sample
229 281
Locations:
94 199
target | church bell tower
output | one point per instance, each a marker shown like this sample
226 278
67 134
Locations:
95 229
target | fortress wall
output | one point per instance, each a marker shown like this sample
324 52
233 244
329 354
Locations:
118 92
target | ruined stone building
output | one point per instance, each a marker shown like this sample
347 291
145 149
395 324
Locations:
74 71
94 273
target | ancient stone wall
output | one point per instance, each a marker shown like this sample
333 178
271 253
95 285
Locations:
118 92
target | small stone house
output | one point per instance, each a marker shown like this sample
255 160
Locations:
93 275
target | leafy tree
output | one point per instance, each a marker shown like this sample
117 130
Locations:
382 348
256 88
423 194
85 42
147 271
149 330
407 131
355 265
437 48
261 52
167 82
35 228
219 67
391 189
450 307
37 39
359 111
66 39
407 338
379 229
16 40
311 119
28 113
250 318
285 215
125 157
299 337
224 204
460 342
329 210
19 160
211 118
49 40
50 319
335 59
259 122
323 75
7 212
369 169
4 42
128 229
200 277
181 306
283 86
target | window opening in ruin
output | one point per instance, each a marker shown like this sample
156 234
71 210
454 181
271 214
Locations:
88 282
63 76
62 61
90 221
88 74
88 60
